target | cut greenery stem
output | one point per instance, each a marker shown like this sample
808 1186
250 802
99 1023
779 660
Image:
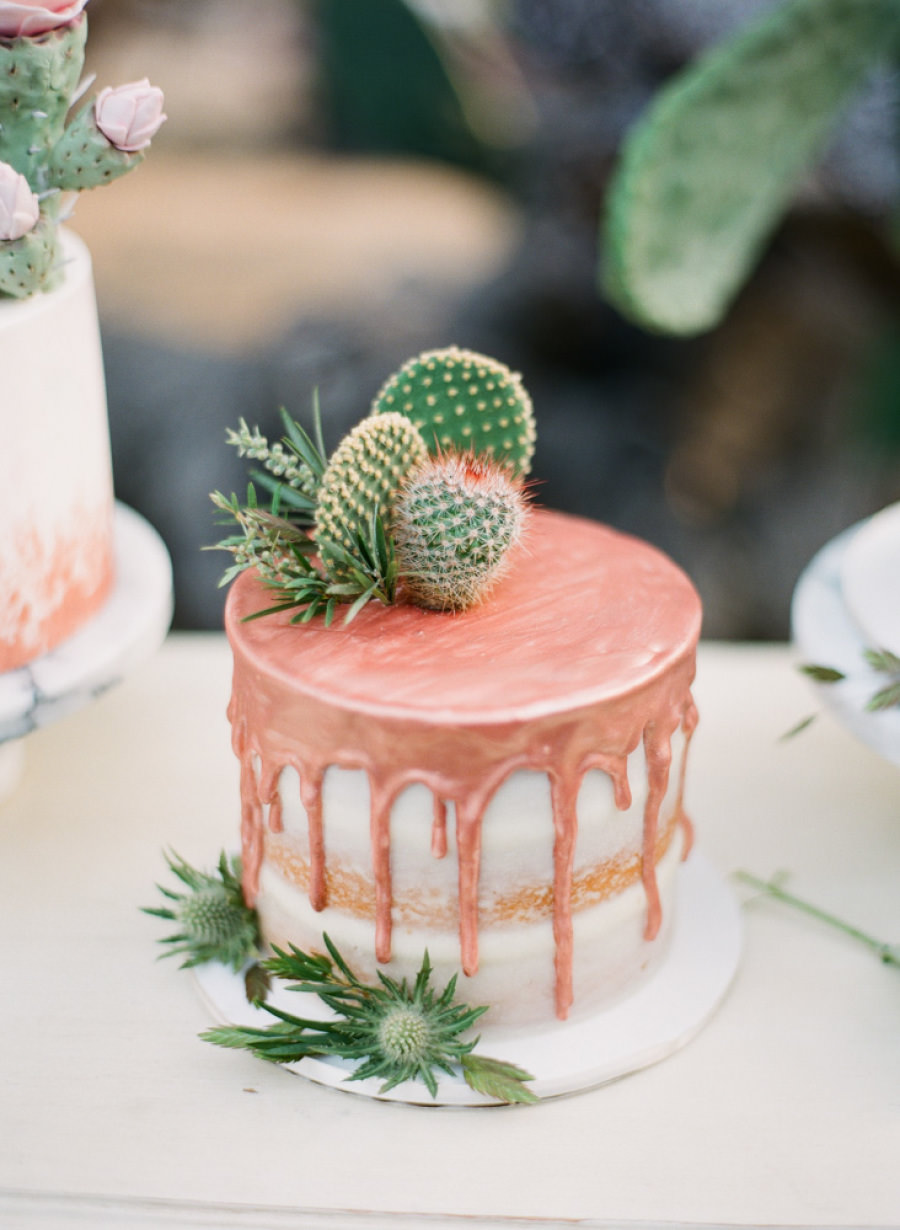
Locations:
888 953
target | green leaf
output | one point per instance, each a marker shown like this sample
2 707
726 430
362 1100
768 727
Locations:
822 674
883 660
801 726
887 698
497 1079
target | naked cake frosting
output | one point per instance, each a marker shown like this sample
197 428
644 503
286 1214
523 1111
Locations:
498 782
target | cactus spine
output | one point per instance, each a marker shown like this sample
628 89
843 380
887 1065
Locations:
455 521
361 481
464 402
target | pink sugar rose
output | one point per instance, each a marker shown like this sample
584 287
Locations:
30 18
19 209
129 116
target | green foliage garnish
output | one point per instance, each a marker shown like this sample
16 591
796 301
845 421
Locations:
881 660
397 1032
888 953
214 923
276 540
888 663
292 468
822 674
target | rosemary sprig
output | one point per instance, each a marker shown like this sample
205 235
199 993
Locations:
213 922
397 1032
888 953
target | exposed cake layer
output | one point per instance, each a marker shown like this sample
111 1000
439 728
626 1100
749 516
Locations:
569 685
516 946
55 473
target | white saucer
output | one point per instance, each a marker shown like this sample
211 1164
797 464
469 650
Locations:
826 633
870 579
659 1018
129 627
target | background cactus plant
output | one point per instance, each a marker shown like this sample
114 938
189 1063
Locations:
463 401
39 79
707 173
360 483
455 521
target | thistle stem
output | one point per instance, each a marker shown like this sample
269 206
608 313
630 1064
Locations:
889 954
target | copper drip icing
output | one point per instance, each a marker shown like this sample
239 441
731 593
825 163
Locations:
459 702
311 797
439 828
688 725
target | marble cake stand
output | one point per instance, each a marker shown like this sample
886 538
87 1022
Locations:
129 627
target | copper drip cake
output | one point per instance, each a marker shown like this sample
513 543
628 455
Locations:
502 786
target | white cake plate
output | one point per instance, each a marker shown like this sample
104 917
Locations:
131 624
662 1015
839 608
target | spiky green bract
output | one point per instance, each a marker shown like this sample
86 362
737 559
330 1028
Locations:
361 482
705 176
397 1032
214 923
465 402
455 522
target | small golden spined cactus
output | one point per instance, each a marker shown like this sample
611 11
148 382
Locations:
464 402
455 521
360 483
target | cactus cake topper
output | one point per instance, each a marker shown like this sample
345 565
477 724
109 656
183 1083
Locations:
398 512
361 482
464 401
45 154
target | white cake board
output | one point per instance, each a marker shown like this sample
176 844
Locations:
662 1015
131 624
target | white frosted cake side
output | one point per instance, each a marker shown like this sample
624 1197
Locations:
56 491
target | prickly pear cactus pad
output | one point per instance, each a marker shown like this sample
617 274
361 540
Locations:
704 177
465 402
40 74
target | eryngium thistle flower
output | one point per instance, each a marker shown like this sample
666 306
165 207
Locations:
213 922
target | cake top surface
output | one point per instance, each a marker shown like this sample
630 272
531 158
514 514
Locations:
585 614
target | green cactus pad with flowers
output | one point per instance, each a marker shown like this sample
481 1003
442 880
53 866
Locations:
38 79
83 158
28 262
464 402
43 153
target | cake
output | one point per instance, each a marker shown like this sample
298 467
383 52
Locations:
500 785
56 482
56 490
